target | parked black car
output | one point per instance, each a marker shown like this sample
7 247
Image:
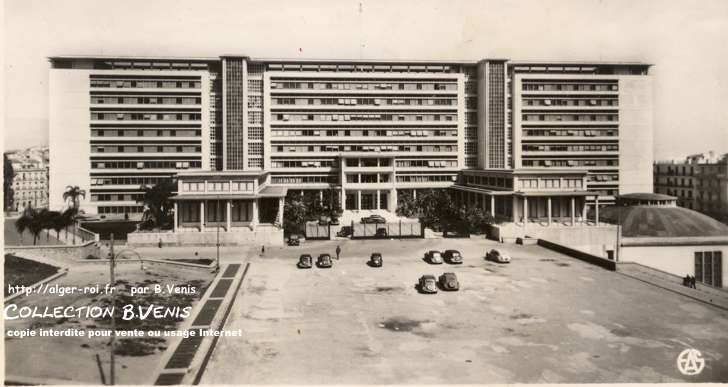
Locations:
381 233
428 284
305 261
453 256
324 260
346 231
375 260
294 240
448 281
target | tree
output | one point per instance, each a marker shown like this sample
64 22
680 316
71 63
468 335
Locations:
57 222
8 175
296 211
407 206
31 220
157 203
72 195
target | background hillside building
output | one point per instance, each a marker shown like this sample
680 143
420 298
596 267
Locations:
366 130
700 183
30 180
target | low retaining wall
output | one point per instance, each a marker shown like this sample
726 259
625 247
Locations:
55 252
267 236
586 257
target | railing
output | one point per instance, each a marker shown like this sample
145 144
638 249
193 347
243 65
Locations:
87 235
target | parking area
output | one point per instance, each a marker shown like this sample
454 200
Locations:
544 318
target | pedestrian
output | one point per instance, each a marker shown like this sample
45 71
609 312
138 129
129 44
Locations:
262 250
692 282
338 252
686 280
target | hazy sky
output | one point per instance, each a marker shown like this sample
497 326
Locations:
685 40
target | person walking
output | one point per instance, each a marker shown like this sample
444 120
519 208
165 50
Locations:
338 252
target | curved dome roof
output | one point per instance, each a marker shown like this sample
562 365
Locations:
653 221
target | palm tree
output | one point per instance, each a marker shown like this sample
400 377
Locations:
72 194
157 203
31 220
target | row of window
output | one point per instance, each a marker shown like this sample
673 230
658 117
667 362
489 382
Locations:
146 100
570 102
145 164
427 163
366 148
602 178
424 85
31 194
365 101
571 132
129 180
145 84
365 133
368 162
564 86
116 197
365 117
302 164
550 183
120 209
570 117
571 148
367 178
327 179
570 163
218 186
145 149
491 181
145 133
423 178
146 116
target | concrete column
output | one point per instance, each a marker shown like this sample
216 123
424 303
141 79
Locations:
254 220
358 199
514 206
321 196
414 194
573 212
279 216
596 210
176 216
548 209
492 205
525 211
342 197
202 215
228 213
583 210
378 197
392 204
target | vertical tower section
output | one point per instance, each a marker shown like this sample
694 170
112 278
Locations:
233 99
216 121
470 122
255 139
494 138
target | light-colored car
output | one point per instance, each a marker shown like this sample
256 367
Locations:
434 256
498 256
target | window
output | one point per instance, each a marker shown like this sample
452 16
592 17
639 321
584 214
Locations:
709 267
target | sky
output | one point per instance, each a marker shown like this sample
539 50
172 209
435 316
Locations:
684 40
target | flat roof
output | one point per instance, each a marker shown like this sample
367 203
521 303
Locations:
359 60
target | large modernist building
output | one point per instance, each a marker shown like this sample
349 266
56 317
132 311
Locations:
363 131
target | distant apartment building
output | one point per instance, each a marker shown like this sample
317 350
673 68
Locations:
367 131
700 183
30 180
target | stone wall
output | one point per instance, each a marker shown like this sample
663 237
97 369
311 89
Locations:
262 236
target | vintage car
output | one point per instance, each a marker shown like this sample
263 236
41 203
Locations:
294 240
434 256
453 256
449 281
428 284
381 233
305 261
375 260
346 231
373 219
324 260
498 256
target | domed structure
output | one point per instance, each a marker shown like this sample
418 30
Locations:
662 221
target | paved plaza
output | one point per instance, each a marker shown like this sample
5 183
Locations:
544 318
